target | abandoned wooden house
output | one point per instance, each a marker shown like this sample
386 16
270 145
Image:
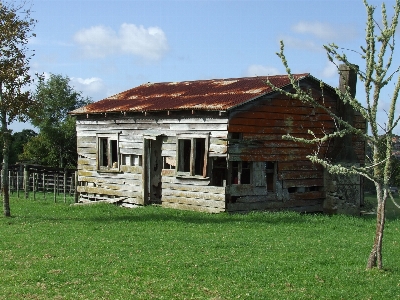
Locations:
214 146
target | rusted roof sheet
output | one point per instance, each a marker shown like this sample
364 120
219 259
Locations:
216 94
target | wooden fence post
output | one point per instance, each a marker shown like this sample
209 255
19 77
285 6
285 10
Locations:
9 182
26 182
76 195
65 185
44 185
34 185
54 187
17 184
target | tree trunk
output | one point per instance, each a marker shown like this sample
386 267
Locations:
4 171
375 257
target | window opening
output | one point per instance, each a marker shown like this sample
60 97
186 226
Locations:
114 153
236 135
235 172
199 156
245 177
131 160
241 172
169 162
270 175
108 156
192 156
103 155
219 171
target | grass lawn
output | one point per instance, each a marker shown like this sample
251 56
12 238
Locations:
56 251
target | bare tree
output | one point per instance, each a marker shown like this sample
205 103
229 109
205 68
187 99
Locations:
376 73
16 27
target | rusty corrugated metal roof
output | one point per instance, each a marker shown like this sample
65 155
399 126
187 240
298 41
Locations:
216 94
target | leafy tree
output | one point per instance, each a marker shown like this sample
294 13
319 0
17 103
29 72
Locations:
18 140
55 145
16 27
376 74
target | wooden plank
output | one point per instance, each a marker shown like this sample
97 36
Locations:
307 195
193 201
298 205
192 207
104 191
83 172
86 161
185 181
306 116
195 188
265 157
298 165
132 169
86 139
303 183
198 127
131 151
128 145
246 190
296 152
288 123
273 129
114 128
168 172
136 180
218 149
192 195
300 175
194 120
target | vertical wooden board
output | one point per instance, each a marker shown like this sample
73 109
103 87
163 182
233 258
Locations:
258 173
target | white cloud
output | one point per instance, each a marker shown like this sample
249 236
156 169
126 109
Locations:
259 70
325 31
330 70
92 87
100 41
301 44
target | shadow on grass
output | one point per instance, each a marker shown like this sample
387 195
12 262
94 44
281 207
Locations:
106 213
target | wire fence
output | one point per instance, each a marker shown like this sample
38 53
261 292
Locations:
42 181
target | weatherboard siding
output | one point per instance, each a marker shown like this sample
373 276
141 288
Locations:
299 183
127 184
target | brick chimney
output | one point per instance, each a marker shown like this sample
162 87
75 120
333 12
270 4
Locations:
343 148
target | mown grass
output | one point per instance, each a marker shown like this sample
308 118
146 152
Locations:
57 251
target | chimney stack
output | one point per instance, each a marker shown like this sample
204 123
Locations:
348 78
343 147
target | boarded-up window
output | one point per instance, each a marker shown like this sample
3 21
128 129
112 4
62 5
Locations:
192 153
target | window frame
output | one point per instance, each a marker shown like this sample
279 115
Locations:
193 138
109 137
240 172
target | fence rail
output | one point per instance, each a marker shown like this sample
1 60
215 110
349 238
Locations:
47 180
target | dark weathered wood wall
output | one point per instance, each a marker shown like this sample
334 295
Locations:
262 125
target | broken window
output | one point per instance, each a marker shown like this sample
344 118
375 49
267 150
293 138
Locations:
169 162
192 155
241 172
108 156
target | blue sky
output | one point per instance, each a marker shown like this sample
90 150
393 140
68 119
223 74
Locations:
108 46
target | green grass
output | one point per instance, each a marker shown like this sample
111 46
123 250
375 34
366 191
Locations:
56 251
